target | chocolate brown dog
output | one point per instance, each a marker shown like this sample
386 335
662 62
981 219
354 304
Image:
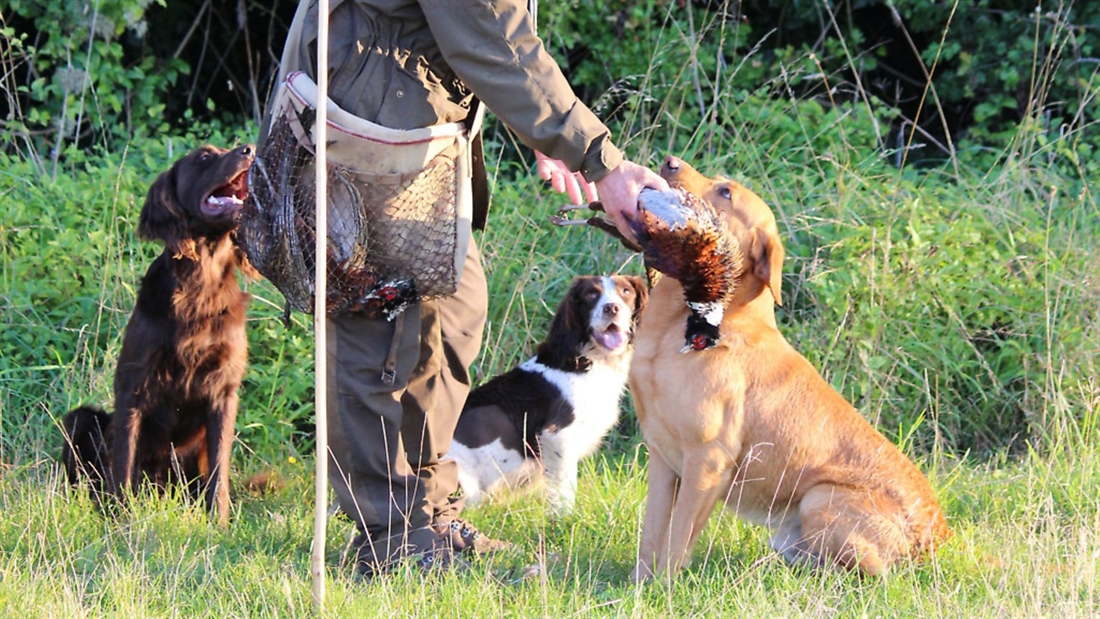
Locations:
184 350
752 425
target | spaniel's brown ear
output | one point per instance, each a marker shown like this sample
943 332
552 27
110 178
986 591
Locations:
767 260
162 217
566 331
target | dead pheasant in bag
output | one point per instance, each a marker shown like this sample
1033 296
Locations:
687 240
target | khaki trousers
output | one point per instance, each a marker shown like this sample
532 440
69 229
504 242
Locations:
386 440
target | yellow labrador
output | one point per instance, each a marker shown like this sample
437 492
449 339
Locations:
752 425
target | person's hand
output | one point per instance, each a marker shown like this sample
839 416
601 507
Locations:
619 191
565 181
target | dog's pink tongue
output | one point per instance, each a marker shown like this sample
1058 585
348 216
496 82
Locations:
609 339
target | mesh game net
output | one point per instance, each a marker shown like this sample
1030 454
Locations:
391 238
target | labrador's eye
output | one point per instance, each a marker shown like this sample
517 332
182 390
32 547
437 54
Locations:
724 191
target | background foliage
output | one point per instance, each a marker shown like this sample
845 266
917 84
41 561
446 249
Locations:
939 270
106 70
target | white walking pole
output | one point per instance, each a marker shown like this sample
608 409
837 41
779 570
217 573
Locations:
320 295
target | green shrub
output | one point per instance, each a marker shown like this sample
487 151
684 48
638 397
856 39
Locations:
84 85
949 305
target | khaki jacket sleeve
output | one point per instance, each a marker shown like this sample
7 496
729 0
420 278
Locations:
492 47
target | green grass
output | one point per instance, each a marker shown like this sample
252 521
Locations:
1027 544
954 302
1026 518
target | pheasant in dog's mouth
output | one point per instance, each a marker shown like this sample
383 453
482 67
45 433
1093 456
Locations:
688 240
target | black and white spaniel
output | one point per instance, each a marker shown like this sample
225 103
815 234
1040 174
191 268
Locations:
542 417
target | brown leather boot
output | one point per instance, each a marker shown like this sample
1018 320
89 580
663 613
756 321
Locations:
467 540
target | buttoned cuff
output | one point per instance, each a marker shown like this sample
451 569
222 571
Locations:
602 157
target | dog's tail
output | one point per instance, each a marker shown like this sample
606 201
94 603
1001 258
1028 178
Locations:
84 453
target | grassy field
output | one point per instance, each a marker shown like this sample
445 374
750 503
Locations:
1026 545
1026 518
953 299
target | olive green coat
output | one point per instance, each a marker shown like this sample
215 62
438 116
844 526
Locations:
412 63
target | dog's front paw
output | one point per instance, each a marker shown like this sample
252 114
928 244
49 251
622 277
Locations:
561 507
641 573
561 494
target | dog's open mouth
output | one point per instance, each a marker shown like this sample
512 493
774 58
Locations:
611 337
228 198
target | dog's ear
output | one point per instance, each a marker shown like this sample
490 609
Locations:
767 260
567 334
566 329
163 218
641 295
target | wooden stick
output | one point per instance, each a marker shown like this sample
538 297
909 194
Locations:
320 296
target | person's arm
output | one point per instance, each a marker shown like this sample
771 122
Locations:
492 47
617 191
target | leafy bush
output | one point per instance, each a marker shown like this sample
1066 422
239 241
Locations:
947 305
83 86
994 67
63 244
1015 60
